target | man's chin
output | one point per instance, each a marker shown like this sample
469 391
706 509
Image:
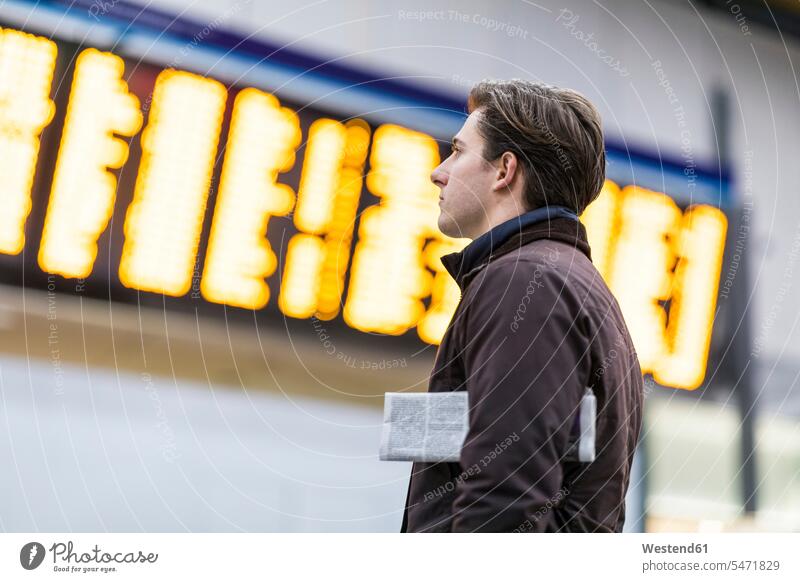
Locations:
449 228
446 227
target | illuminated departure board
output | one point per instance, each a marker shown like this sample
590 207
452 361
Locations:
136 183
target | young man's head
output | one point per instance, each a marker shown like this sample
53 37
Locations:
524 146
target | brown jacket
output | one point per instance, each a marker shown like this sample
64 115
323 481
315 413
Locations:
535 326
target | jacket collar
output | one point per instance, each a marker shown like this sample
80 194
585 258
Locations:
554 222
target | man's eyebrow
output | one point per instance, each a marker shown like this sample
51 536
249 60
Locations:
458 142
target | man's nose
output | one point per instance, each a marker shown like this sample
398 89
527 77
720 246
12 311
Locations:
439 177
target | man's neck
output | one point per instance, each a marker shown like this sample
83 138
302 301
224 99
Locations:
498 216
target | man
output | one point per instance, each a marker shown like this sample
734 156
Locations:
536 329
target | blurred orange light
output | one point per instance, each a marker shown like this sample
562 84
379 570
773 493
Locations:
650 253
261 144
163 223
26 72
83 193
327 200
601 219
389 279
700 245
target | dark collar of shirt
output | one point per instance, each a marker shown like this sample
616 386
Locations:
479 251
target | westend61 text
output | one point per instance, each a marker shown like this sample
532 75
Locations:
673 549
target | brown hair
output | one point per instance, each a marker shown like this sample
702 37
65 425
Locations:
555 133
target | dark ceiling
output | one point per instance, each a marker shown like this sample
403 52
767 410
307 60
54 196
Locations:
783 15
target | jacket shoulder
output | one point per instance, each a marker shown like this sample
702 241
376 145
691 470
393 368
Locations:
543 259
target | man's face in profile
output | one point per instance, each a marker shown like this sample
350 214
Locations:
465 179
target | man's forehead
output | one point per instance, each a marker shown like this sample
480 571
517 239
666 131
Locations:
468 131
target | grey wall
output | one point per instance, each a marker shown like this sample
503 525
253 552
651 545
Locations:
110 451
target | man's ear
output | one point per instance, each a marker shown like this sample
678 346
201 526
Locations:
507 171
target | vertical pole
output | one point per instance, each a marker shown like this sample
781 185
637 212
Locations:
739 312
635 506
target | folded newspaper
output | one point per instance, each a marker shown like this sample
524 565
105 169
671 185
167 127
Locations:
428 427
